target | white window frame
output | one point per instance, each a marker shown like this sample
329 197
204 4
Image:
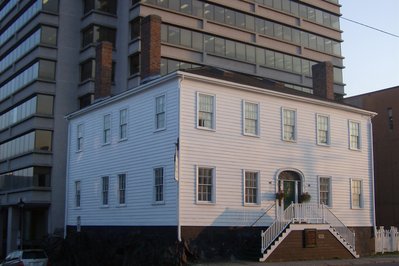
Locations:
258 201
352 180
318 117
78 194
106 137
123 125
244 118
79 137
122 190
156 186
213 188
329 190
283 109
213 114
159 112
359 138
105 191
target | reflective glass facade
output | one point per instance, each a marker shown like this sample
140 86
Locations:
27 177
44 70
7 8
306 12
20 21
20 50
239 51
39 140
254 24
40 104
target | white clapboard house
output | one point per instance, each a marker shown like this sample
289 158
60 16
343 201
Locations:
224 161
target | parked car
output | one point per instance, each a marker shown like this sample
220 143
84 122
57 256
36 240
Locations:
27 257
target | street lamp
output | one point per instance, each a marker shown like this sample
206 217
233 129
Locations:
21 205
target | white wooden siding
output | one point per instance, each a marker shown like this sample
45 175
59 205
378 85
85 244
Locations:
136 156
229 151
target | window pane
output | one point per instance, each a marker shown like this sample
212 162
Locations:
289 125
45 104
122 188
205 111
251 118
158 184
134 63
43 140
135 28
205 176
251 187
50 5
49 35
324 191
185 38
47 70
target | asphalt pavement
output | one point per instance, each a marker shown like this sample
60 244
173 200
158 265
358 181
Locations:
385 260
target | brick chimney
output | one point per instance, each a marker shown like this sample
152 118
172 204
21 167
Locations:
103 77
150 48
323 80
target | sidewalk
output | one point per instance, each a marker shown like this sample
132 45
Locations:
361 261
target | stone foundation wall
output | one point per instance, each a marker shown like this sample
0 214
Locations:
125 246
293 248
365 241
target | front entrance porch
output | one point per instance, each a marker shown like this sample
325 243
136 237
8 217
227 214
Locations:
310 216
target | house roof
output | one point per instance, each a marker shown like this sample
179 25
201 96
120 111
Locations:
373 92
217 74
255 81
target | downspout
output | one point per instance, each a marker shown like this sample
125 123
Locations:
67 178
178 165
372 174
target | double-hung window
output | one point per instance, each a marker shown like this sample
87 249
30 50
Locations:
251 118
251 187
289 124
206 111
79 140
158 185
122 188
205 185
107 129
323 130
105 190
160 112
77 194
325 191
356 194
354 135
123 124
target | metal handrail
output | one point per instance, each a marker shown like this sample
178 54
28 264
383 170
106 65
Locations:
339 227
260 217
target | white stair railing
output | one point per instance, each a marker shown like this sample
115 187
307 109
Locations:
277 227
307 213
339 227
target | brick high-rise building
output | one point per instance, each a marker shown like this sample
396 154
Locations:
48 69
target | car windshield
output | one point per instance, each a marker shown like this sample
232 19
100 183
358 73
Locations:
34 254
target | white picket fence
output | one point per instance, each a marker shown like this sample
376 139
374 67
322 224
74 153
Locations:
387 240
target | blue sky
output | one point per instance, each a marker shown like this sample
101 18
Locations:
371 57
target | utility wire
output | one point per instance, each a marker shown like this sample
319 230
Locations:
367 26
